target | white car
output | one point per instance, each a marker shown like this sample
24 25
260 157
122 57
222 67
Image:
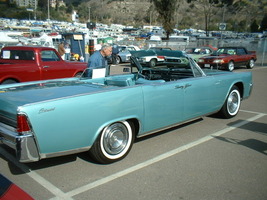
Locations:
151 58
124 53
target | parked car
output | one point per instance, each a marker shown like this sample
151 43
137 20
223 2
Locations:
104 115
150 58
198 52
32 63
228 58
124 54
173 58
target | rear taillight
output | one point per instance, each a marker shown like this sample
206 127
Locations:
23 124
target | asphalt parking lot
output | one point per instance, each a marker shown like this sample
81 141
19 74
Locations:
207 159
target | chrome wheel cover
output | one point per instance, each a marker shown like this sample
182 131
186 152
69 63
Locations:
233 102
231 66
251 64
116 140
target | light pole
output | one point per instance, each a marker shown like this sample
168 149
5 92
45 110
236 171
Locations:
89 19
48 14
35 7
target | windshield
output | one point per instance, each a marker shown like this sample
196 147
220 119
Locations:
228 51
175 66
198 51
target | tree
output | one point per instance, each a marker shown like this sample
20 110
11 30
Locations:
209 8
254 27
166 10
264 23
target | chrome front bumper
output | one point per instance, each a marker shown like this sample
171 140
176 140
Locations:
24 145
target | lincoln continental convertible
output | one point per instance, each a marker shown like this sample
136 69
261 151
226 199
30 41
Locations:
103 115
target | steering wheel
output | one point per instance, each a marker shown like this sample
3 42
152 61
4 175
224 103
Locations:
146 75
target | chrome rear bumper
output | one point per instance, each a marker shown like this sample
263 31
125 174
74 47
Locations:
24 145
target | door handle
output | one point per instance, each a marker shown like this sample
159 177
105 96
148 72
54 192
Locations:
46 66
187 85
182 86
179 87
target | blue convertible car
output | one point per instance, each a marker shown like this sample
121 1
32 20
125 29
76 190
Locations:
104 115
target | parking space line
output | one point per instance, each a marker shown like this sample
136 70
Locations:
253 112
159 158
34 175
59 194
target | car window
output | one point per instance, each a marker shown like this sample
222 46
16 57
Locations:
241 51
18 55
49 56
122 49
205 51
225 51
231 51
131 48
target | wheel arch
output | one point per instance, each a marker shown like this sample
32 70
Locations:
9 78
131 120
240 87
231 60
136 125
153 59
120 58
78 74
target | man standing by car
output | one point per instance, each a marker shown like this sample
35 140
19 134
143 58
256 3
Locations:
99 59
61 50
115 52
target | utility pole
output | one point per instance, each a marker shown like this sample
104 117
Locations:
48 13
89 19
35 7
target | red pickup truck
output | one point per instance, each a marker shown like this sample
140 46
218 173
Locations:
228 58
32 63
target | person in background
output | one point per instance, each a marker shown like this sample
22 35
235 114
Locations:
67 51
115 52
99 59
61 50
20 43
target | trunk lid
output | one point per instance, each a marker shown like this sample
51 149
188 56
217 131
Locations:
11 98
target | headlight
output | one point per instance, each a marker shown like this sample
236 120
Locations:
218 61
200 60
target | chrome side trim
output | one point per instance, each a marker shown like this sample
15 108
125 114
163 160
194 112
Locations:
64 153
